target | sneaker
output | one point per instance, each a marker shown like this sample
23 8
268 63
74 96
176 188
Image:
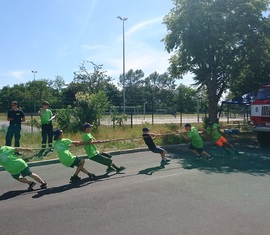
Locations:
209 158
167 159
198 157
74 178
42 186
18 153
31 185
91 176
109 170
50 150
121 168
164 162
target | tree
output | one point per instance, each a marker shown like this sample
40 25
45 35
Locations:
133 85
90 107
92 82
208 38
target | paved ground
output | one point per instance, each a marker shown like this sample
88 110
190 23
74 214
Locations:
229 195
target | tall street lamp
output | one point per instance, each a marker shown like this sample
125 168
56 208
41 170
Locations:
34 72
124 73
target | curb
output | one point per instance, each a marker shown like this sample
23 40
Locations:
55 161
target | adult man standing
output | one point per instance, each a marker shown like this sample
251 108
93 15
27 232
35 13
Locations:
15 117
46 117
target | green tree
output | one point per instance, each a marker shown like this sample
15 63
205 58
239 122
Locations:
90 107
92 82
208 37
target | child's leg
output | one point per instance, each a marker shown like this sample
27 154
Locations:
24 180
37 178
206 154
195 152
80 167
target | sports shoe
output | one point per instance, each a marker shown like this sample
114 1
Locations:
167 159
91 176
121 168
18 153
209 158
31 185
109 170
164 162
198 157
42 186
74 178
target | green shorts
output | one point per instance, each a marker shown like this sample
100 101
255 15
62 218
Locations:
102 159
76 162
25 172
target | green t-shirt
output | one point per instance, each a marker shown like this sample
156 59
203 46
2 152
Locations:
196 140
90 149
10 162
61 146
45 116
213 132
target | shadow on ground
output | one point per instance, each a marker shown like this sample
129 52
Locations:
251 158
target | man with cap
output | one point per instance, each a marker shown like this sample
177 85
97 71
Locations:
148 139
196 145
61 146
15 117
92 152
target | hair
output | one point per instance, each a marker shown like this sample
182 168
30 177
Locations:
187 125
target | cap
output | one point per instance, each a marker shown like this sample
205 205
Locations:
45 103
86 125
187 125
57 132
145 129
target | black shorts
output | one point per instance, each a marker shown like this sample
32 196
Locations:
102 159
25 172
76 162
199 150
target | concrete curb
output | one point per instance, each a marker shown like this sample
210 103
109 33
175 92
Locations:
55 161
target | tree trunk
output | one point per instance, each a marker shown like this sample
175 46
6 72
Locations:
213 103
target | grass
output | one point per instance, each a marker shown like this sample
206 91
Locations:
133 136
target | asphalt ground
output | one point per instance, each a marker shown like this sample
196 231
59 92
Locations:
228 195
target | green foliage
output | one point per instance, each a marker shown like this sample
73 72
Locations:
211 39
90 107
117 118
66 120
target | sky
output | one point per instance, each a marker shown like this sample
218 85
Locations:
54 37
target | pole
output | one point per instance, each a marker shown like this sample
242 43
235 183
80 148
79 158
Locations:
124 73
34 72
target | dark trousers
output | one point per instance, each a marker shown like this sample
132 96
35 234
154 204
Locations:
47 134
16 132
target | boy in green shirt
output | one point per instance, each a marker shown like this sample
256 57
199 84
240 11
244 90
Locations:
196 145
94 154
46 117
17 167
213 131
61 146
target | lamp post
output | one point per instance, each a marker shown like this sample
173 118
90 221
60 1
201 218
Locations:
34 72
124 75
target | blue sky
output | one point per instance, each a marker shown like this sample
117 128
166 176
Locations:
53 37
